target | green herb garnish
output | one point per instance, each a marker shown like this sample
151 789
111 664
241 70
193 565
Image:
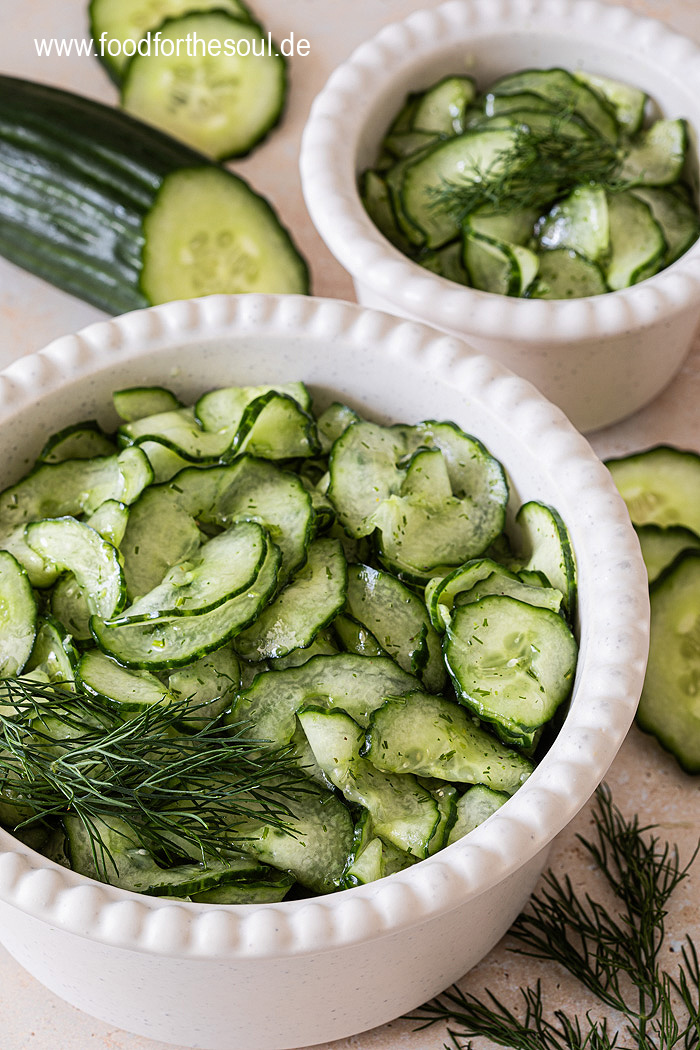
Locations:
616 956
541 165
66 753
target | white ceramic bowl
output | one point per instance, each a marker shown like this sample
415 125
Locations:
293 974
599 358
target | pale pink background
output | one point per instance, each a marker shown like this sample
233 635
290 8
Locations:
643 778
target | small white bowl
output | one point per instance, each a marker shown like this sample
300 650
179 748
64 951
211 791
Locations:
599 358
275 976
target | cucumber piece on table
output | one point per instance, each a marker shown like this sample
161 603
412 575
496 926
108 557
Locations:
79 179
208 232
222 102
660 486
129 21
661 543
668 707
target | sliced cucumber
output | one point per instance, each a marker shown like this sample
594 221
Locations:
356 684
209 685
99 675
129 21
307 604
441 109
397 620
53 657
464 160
432 736
660 486
73 546
661 543
676 216
545 547
178 640
579 222
637 245
668 707
208 232
473 808
402 812
78 441
627 101
564 92
564 274
657 157
221 569
499 267
18 616
135 402
221 100
110 520
512 664
159 533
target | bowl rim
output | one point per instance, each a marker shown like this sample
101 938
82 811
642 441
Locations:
339 116
551 797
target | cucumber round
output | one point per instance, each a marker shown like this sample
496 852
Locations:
216 83
127 22
208 232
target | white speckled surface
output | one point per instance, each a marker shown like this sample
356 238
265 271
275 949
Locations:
643 777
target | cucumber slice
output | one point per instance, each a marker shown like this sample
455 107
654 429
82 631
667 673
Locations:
135 402
317 847
514 226
660 486
78 441
179 431
402 812
434 737
473 157
447 262
668 707
267 888
397 620
545 547
110 520
129 21
18 616
221 100
99 675
377 202
221 569
54 657
661 543
580 222
473 808
405 143
356 684
69 606
333 422
307 604
564 92
159 533
656 157
178 640
564 274
498 267
224 407
209 685
512 664
355 638
637 245
75 547
504 582
627 101
441 108
208 232
676 215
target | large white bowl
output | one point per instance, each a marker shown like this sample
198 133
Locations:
599 358
286 975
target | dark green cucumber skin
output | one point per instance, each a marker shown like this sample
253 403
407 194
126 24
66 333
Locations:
77 178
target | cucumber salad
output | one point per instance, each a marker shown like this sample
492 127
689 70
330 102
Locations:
249 650
546 184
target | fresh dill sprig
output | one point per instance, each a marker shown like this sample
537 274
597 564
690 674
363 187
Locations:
540 165
616 956
69 754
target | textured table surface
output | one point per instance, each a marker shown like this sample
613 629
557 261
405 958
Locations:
643 778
